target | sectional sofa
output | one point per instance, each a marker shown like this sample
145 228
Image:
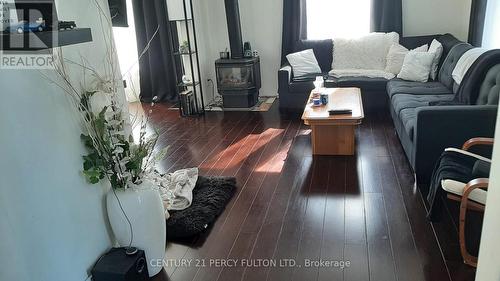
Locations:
425 115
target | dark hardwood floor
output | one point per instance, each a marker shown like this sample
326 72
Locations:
293 207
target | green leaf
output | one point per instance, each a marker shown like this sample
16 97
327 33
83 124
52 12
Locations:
87 141
93 175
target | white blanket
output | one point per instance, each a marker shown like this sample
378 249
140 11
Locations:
367 52
372 73
465 62
176 189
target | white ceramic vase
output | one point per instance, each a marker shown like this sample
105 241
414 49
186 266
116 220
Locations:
143 206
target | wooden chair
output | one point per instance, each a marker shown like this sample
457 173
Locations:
471 195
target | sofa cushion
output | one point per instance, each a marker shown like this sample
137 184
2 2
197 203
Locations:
404 101
405 106
409 118
368 73
398 86
365 83
445 73
323 50
307 78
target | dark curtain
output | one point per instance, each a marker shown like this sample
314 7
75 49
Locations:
294 26
156 67
387 16
476 24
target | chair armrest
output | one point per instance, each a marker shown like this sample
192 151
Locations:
471 186
477 141
474 184
440 127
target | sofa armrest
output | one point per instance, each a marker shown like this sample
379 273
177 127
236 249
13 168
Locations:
285 73
284 78
440 127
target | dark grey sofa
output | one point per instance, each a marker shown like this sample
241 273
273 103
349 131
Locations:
293 91
425 115
424 129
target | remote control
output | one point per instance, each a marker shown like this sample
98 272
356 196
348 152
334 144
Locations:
340 111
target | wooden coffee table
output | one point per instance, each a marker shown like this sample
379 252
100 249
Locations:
334 134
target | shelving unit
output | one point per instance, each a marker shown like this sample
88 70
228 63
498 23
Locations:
187 63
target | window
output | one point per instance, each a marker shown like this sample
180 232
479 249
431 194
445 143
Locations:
491 34
328 19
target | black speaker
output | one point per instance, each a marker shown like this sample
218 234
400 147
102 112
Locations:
116 265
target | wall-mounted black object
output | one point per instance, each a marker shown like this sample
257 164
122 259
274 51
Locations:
31 11
238 81
234 28
118 10
116 265
44 40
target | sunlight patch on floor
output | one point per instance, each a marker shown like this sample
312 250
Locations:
234 150
276 163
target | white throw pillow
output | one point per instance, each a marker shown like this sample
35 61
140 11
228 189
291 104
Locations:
367 52
396 57
416 66
437 49
304 63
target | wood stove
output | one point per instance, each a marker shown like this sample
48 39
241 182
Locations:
238 81
238 78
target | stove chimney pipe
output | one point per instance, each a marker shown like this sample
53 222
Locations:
234 28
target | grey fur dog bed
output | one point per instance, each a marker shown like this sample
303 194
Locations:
210 197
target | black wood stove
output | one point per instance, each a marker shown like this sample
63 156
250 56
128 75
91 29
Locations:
238 77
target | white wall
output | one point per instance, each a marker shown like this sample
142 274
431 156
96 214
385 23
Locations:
53 224
424 17
488 269
261 22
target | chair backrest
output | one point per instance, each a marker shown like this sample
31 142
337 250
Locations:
451 60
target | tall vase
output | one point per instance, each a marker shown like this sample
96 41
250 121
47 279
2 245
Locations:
144 208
